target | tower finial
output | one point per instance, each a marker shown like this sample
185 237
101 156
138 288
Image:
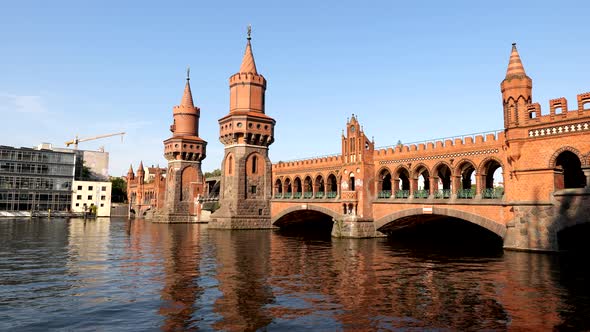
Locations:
249 31
188 73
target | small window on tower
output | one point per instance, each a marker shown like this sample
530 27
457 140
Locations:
254 164
253 189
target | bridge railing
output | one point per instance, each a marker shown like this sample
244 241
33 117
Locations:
384 194
307 195
465 193
402 194
442 194
421 193
492 193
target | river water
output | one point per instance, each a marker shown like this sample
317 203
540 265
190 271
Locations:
133 275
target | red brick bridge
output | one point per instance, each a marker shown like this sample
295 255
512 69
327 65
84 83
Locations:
525 183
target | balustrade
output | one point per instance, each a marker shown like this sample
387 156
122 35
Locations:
492 193
331 194
384 194
402 194
466 193
308 194
442 194
421 193
350 195
319 194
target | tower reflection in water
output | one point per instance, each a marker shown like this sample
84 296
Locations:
249 280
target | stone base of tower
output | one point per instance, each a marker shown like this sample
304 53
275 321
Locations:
225 219
240 223
166 216
355 227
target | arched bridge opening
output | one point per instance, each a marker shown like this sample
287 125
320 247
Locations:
448 233
311 222
574 239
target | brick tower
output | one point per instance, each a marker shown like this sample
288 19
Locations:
184 151
246 132
517 92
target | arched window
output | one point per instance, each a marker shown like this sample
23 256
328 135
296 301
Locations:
351 183
384 190
573 176
492 180
278 189
230 160
254 164
332 186
466 172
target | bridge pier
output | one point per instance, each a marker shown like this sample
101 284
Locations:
351 226
536 225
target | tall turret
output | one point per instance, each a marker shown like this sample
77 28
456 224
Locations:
184 151
517 91
186 115
246 132
140 172
130 174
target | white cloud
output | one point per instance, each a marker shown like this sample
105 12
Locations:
21 104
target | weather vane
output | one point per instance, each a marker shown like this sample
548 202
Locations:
249 31
188 73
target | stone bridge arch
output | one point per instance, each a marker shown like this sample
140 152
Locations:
305 207
486 223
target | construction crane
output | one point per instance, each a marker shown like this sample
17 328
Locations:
77 140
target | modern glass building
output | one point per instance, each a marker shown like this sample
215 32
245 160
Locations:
35 180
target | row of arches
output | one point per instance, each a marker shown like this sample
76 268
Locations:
464 180
317 187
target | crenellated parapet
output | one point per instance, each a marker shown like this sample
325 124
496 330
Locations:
559 114
442 147
307 164
247 78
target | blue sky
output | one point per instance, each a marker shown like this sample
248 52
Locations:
411 70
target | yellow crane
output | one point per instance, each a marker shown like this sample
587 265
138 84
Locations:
77 140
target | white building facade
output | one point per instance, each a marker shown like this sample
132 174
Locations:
85 194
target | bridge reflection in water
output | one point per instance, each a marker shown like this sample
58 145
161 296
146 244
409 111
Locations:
186 277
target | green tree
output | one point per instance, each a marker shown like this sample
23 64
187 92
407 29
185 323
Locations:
215 173
119 190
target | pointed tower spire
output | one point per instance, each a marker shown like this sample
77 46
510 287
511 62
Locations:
140 168
187 96
515 67
517 92
130 169
248 64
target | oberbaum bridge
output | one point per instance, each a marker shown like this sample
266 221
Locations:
543 160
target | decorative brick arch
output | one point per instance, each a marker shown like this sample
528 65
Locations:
417 167
486 223
228 164
304 207
457 169
439 164
480 168
257 169
397 170
583 159
384 168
